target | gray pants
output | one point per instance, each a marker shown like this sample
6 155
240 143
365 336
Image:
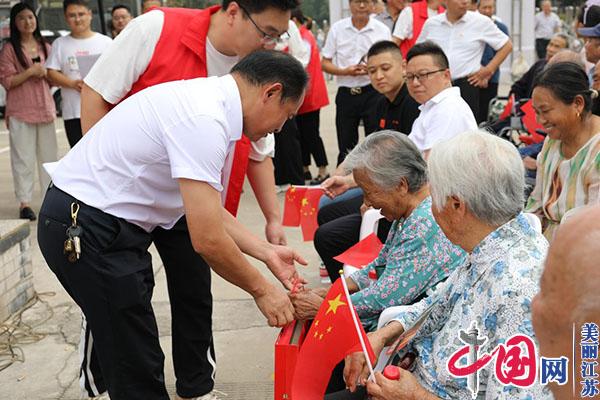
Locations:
30 143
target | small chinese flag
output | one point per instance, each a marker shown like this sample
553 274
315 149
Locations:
308 212
292 205
331 337
362 253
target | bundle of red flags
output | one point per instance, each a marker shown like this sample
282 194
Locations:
331 337
362 253
300 209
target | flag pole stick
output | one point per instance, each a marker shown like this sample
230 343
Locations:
357 327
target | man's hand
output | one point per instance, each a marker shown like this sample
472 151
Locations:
355 70
337 185
281 261
481 78
406 388
275 234
306 304
356 369
275 306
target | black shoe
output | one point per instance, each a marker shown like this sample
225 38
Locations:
319 179
27 213
307 176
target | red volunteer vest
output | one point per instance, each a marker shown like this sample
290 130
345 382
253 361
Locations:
420 15
181 54
316 93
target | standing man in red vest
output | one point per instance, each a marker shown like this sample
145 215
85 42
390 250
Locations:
411 20
170 44
308 118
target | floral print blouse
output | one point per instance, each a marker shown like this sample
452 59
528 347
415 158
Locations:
494 288
417 255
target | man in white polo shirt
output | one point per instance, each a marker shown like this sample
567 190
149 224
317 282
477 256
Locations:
344 55
113 189
547 24
463 34
444 114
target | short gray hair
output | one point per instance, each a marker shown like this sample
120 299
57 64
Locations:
482 170
388 157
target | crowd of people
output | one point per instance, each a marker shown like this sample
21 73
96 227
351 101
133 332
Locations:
154 159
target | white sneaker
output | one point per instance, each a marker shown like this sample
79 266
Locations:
208 396
281 188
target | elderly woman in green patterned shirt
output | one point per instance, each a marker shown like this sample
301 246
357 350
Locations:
393 176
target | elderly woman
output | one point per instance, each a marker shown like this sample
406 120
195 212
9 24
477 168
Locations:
393 176
477 190
568 167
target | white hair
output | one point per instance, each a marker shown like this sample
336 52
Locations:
388 157
482 170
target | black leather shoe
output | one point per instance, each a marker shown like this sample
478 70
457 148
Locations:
319 179
27 213
307 176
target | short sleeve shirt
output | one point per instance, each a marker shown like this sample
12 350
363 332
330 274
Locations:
173 130
546 25
63 58
346 46
464 41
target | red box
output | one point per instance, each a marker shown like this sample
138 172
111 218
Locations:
287 347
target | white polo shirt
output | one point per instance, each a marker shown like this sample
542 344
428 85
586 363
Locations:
121 65
546 25
464 41
442 117
129 162
346 45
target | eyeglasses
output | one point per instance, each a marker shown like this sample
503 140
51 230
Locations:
266 38
421 77
365 2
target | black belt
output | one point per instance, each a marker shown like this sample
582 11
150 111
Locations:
357 90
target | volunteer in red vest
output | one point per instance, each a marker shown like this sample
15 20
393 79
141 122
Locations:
316 98
170 44
411 20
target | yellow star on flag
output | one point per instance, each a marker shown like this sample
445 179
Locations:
304 201
334 304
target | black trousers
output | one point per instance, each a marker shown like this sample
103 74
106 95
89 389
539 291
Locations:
469 93
310 139
339 229
540 48
73 131
112 282
189 287
485 96
351 108
288 155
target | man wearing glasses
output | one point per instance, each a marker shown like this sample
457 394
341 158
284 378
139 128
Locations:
171 44
348 40
444 114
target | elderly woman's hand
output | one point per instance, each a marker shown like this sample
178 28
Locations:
406 388
356 370
337 185
306 304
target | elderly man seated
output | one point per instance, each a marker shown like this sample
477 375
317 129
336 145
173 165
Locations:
477 190
390 170
569 294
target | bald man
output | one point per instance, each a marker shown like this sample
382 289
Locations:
569 294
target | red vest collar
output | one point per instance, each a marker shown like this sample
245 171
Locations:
195 34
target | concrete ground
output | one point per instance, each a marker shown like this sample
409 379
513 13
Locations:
48 354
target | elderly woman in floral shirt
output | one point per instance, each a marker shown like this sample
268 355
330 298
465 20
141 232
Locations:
393 176
477 185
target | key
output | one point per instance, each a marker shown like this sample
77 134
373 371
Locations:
74 233
68 248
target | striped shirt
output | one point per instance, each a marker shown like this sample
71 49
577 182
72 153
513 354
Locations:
562 184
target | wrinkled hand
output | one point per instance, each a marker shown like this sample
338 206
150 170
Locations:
306 304
481 78
37 70
275 306
355 70
275 234
406 388
530 163
77 85
336 185
281 261
356 370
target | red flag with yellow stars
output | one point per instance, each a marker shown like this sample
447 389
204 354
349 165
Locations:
292 205
332 335
308 212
